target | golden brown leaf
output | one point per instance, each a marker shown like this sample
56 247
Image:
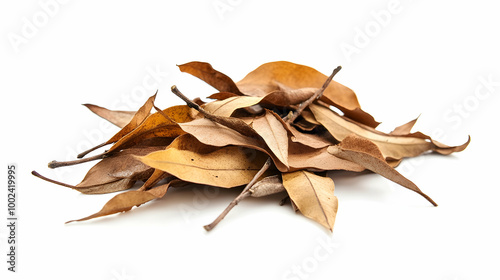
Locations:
313 196
225 167
392 146
118 118
205 72
125 201
367 154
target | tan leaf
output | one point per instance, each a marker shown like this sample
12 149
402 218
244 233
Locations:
225 167
227 106
313 196
272 129
392 146
118 118
367 154
125 201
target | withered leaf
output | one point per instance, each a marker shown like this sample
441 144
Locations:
225 167
125 201
267 78
313 195
392 146
205 72
118 118
156 125
117 172
367 154
272 129
227 106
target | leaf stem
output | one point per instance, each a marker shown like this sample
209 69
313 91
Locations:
82 154
56 164
36 174
314 97
245 193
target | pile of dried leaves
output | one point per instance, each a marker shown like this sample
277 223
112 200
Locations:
274 131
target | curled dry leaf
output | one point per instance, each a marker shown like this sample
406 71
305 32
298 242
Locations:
118 118
125 201
365 153
267 186
392 146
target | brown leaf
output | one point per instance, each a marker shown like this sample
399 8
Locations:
156 125
392 146
225 167
272 129
205 72
313 195
267 78
118 118
125 201
214 134
366 153
304 157
136 120
117 172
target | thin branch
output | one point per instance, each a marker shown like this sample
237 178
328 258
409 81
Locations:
82 154
34 173
245 193
56 164
311 99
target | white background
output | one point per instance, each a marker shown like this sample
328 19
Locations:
428 58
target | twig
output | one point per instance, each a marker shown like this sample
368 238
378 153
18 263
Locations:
82 154
245 193
311 99
34 173
56 164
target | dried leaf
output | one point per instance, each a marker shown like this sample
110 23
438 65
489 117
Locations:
227 106
225 167
156 125
214 134
270 76
272 129
267 186
313 195
392 146
118 118
117 172
125 201
205 72
367 154
303 157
